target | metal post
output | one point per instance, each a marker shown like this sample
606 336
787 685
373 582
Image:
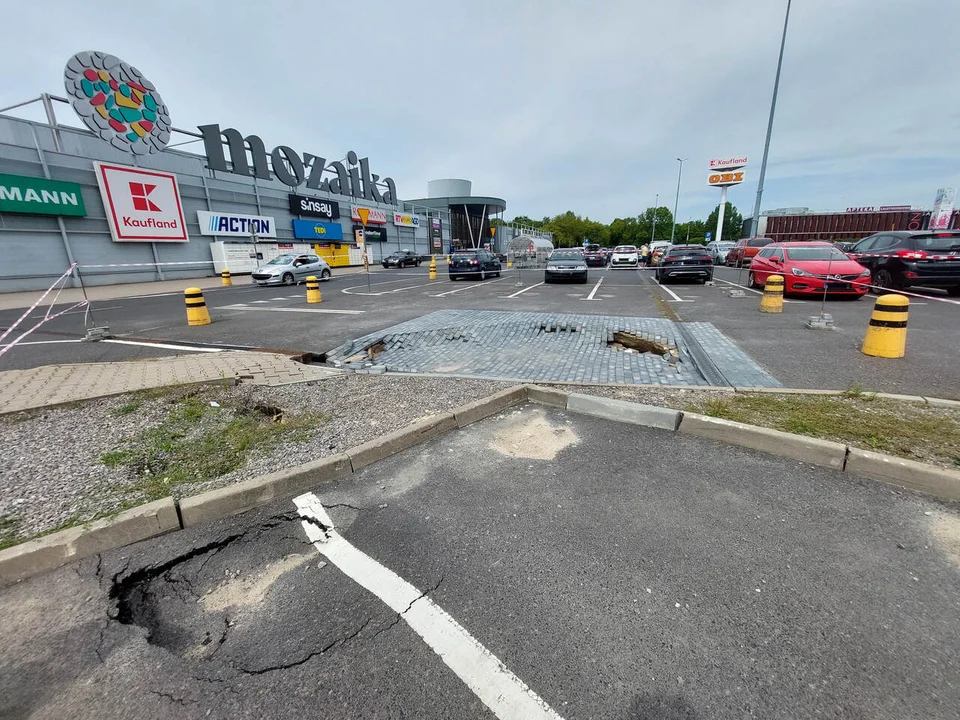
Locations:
52 119
676 203
653 233
721 212
755 220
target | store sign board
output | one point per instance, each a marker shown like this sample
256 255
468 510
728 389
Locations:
142 205
38 196
374 217
314 207
317 231
234 225
942 209
405 220
373 234
731 163
725 179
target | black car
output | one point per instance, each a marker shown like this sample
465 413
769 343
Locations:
901 259
565 265
474 265
401 258
686 261
593 255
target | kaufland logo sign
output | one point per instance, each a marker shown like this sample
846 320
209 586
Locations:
142 205
725 172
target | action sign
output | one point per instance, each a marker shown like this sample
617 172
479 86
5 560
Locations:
142 205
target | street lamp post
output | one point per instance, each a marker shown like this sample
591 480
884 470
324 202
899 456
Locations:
653 233
755 220
676 203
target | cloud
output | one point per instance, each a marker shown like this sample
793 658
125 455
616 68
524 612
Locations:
553 104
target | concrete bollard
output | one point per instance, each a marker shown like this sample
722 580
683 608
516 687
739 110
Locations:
433 267
313 290
772 300
887 332
225 278
197 313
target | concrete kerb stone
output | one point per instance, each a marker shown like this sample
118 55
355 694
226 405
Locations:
392 443
490 405
798 447
246 495
905 473
624 411
52 551
547 396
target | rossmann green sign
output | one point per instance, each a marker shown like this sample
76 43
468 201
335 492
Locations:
36 196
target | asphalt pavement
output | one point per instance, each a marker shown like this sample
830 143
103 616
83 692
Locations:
610 568
278 318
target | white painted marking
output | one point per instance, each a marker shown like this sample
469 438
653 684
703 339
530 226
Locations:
302 310
507 696
362 287
162 346
260 301
595 288
750 289
521 292
676 298
41 342
467 287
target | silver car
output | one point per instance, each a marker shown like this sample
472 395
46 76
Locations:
291 270
719 251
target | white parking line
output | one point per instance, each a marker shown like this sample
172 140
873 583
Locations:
40 342
595 288
521 292
676 298
507 696
287 309
162 346
451 292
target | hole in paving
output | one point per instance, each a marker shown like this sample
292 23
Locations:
629 341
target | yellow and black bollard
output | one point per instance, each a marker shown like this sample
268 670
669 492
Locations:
772 300
887 331
225 278
433 267
197 313
313 290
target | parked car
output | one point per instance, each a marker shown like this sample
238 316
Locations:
807 266
902 259
565 265
593 255
719 250
625 256
657 250
745 250
290 270
474 265
685 261
401 258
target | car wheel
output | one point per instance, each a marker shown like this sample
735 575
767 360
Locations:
288 279
882 280
954 291
751 280
483 275
418 262
325 274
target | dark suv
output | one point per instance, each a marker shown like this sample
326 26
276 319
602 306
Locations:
402 258
902 259
686 261
474 265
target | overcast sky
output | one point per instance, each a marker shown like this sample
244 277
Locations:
550 104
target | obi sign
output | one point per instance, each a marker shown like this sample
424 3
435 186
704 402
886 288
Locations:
142 205
725 172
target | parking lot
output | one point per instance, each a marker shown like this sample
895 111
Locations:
357 304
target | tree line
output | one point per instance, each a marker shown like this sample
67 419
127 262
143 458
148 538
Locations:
570 229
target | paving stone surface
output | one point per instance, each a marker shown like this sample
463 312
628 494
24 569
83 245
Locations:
557 347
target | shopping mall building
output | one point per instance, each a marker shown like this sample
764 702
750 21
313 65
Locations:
130 198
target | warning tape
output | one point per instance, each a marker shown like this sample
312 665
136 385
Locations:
186 262
47 317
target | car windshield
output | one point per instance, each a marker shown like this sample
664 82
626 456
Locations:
463 254
565 256
625 249
591 248
725 245
759 242
282 260
938 241
687 250
815 253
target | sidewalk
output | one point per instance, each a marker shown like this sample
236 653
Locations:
70 295
56 384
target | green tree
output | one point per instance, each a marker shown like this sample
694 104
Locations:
529 222
695 230
732 223
625 231
661 231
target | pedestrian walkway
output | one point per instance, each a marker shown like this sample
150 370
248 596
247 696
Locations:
56 384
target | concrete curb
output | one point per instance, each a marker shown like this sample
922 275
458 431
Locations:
243 496
547 396
798 447
392 443
905 473
52 551
623 411
490 405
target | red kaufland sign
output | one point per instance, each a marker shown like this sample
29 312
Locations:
142 205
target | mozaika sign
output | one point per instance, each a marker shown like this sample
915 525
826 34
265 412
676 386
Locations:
248 156
37 196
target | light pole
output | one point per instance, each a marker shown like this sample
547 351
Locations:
676 203
653 233
755 220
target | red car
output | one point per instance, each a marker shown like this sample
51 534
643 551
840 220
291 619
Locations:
806 266
745 250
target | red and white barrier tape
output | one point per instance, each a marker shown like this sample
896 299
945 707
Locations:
47 317
185 262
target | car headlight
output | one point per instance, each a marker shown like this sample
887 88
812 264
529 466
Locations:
798 271
552 267
581 267
865 273
275 272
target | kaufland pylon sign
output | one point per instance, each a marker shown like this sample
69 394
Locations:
725 172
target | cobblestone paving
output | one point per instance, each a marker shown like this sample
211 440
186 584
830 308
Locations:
542 347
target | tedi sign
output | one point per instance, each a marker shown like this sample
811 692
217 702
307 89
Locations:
248 156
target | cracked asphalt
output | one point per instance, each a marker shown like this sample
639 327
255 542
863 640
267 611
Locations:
619 571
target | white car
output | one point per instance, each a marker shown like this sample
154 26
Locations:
291 270
625 256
